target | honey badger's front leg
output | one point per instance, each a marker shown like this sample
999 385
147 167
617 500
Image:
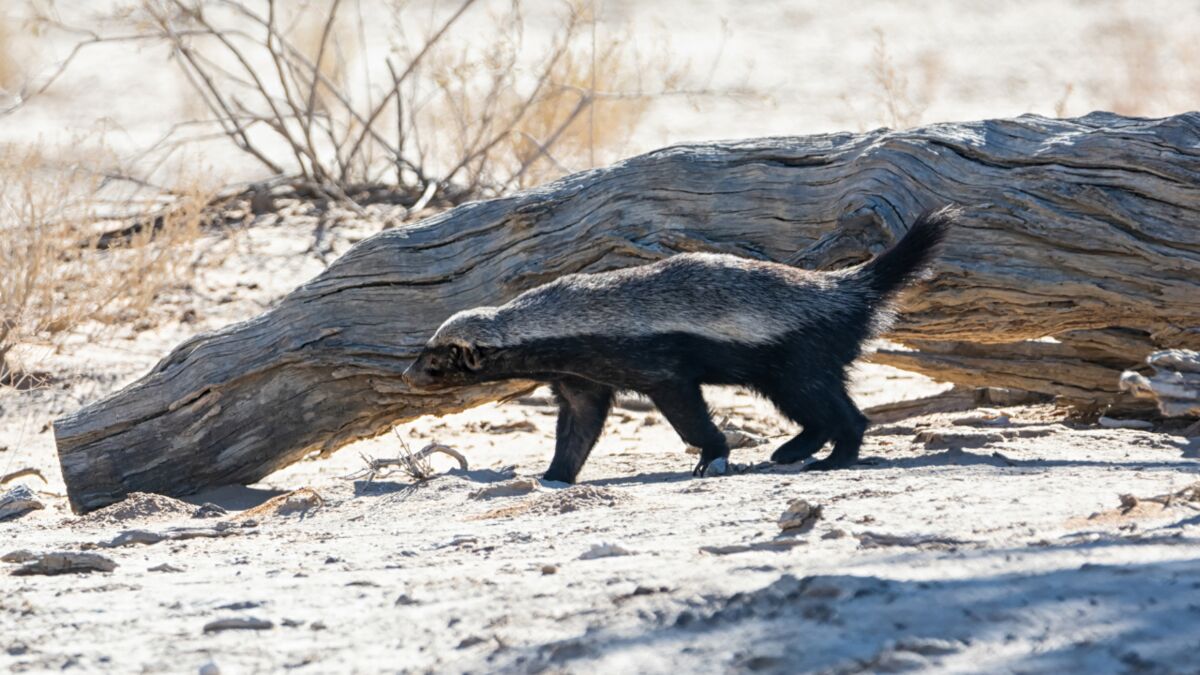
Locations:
682 403
583 406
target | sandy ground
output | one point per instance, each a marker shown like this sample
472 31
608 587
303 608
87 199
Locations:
990 540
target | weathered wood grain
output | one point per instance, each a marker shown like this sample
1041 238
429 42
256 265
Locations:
1071 225
1081 368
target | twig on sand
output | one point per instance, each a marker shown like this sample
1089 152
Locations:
21 473
1188 496
415 465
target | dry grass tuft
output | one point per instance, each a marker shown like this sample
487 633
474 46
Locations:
60 268
513 114
586 114
903 104
455 101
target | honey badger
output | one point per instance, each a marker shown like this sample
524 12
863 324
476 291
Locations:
665 328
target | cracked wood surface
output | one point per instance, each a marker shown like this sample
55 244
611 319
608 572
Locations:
1074 225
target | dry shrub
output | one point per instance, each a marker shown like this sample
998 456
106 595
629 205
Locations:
58 267
456 100
327 44
903 103
520 114
589 113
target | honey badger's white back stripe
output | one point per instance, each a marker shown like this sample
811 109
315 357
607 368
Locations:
719 297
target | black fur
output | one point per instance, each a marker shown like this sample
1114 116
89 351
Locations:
803 373
902 263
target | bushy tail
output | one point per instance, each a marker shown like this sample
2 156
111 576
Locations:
894 268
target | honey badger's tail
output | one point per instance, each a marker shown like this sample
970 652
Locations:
894 268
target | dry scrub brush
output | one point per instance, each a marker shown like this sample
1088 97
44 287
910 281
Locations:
302 89
434 110
55 275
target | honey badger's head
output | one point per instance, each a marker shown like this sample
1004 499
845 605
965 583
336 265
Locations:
458 353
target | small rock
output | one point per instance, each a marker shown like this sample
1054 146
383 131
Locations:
948 438
65 562
18 556
800 516
718 467
470 642
604 550
317 625
210 668
836 533
165 567
1113 423
405 600
244 604
549 569
509 427
130 537
209 510
984 417
929 646
508 488
19 501
237 623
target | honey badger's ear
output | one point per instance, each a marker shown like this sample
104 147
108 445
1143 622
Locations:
472 357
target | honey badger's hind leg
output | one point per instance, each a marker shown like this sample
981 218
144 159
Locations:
683 405
792 399
583 406
847 434
804 445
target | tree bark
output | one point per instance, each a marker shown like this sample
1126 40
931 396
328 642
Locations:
1071 225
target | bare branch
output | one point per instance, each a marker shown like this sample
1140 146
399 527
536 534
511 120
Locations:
412 65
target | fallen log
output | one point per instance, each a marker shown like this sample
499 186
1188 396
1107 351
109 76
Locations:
1071 225
1078 367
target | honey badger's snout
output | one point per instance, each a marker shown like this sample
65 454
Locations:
412 377
420 374
442 365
